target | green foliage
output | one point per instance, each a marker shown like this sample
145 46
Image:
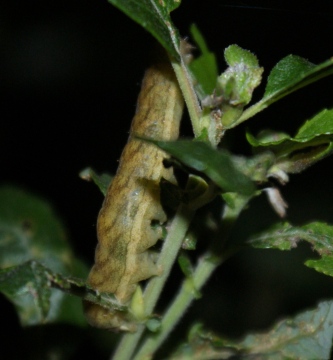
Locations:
204 67
37 262
242 76
153 15
237 83
289 74
29 230
321 124
27 287
217 165
312 143
185 265
290 70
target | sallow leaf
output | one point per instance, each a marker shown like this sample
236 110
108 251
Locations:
307 336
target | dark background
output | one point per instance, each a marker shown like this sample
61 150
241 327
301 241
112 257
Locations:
70 72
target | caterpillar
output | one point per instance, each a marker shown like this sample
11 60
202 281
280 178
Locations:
129 221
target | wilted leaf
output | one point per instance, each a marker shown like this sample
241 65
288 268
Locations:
282 236
308 336
285 237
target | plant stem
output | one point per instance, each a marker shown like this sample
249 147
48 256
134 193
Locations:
172 244
191 99
190 287
177 230
186 295
178 227
127 345
250 112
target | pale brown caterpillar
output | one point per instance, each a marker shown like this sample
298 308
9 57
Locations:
124 227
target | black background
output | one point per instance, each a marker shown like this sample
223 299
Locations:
70 72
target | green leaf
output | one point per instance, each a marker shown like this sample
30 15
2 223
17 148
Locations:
237 83
285 237
153 15
300 158
241 77
323 265
204 68
216 164
29 285
308 336
203 71
282 236
235 55
26 284
103 181
267 138
320 124
196 189
185 265
78 287
290 74
29 230
287 72
187 269
312 143
255 167
199 39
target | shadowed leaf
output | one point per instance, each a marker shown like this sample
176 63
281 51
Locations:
153 15
29 230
